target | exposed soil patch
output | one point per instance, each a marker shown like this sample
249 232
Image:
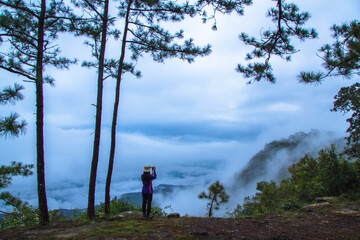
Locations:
337 220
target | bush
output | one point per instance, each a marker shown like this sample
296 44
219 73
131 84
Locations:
291 204
117 206
157 211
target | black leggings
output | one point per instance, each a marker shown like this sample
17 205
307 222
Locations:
147 198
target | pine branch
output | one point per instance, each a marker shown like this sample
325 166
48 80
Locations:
19 36
10 95
18 72
17 7
94 9
21 51
141 25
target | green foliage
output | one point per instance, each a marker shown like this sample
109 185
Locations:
289 23
15 169
121 205
148 36
342 58
117 206
329 174
23 214
305 179
19 27
10 125
11 95
157 211
222 6
348 100
216 195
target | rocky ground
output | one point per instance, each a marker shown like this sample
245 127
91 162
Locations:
327 220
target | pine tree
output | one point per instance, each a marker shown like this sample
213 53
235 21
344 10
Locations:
348 100
95 27
216 195
143 34
342 58
27 31
288 24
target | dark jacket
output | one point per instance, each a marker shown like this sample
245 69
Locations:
147 178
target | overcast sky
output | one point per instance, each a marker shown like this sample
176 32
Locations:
178 116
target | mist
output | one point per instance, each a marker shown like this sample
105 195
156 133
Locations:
184 169
270 163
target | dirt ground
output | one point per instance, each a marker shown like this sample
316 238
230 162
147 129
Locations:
320 221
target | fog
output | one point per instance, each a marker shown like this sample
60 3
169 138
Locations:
191 168
270 163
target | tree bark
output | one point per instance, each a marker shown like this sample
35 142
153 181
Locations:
115 113
96 147
210 207
43 208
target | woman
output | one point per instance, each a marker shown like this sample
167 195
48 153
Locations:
147 189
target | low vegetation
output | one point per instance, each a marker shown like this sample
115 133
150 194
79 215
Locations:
329 174
27 215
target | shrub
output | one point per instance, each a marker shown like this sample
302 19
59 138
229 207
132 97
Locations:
117 206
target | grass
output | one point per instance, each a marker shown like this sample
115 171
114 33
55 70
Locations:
136 227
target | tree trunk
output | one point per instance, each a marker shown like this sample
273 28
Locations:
211 206
95 159
115 113
43 208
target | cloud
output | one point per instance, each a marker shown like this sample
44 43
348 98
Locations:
282 107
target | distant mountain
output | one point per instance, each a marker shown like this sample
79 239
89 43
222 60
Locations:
273 161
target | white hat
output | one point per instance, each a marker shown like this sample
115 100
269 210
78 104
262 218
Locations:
147 168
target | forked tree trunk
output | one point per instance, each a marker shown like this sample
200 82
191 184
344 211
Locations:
115 113
43 208
211 207
95 159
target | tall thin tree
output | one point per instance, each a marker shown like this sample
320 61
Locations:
95 158
95 24
27 31
143 34
95 27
